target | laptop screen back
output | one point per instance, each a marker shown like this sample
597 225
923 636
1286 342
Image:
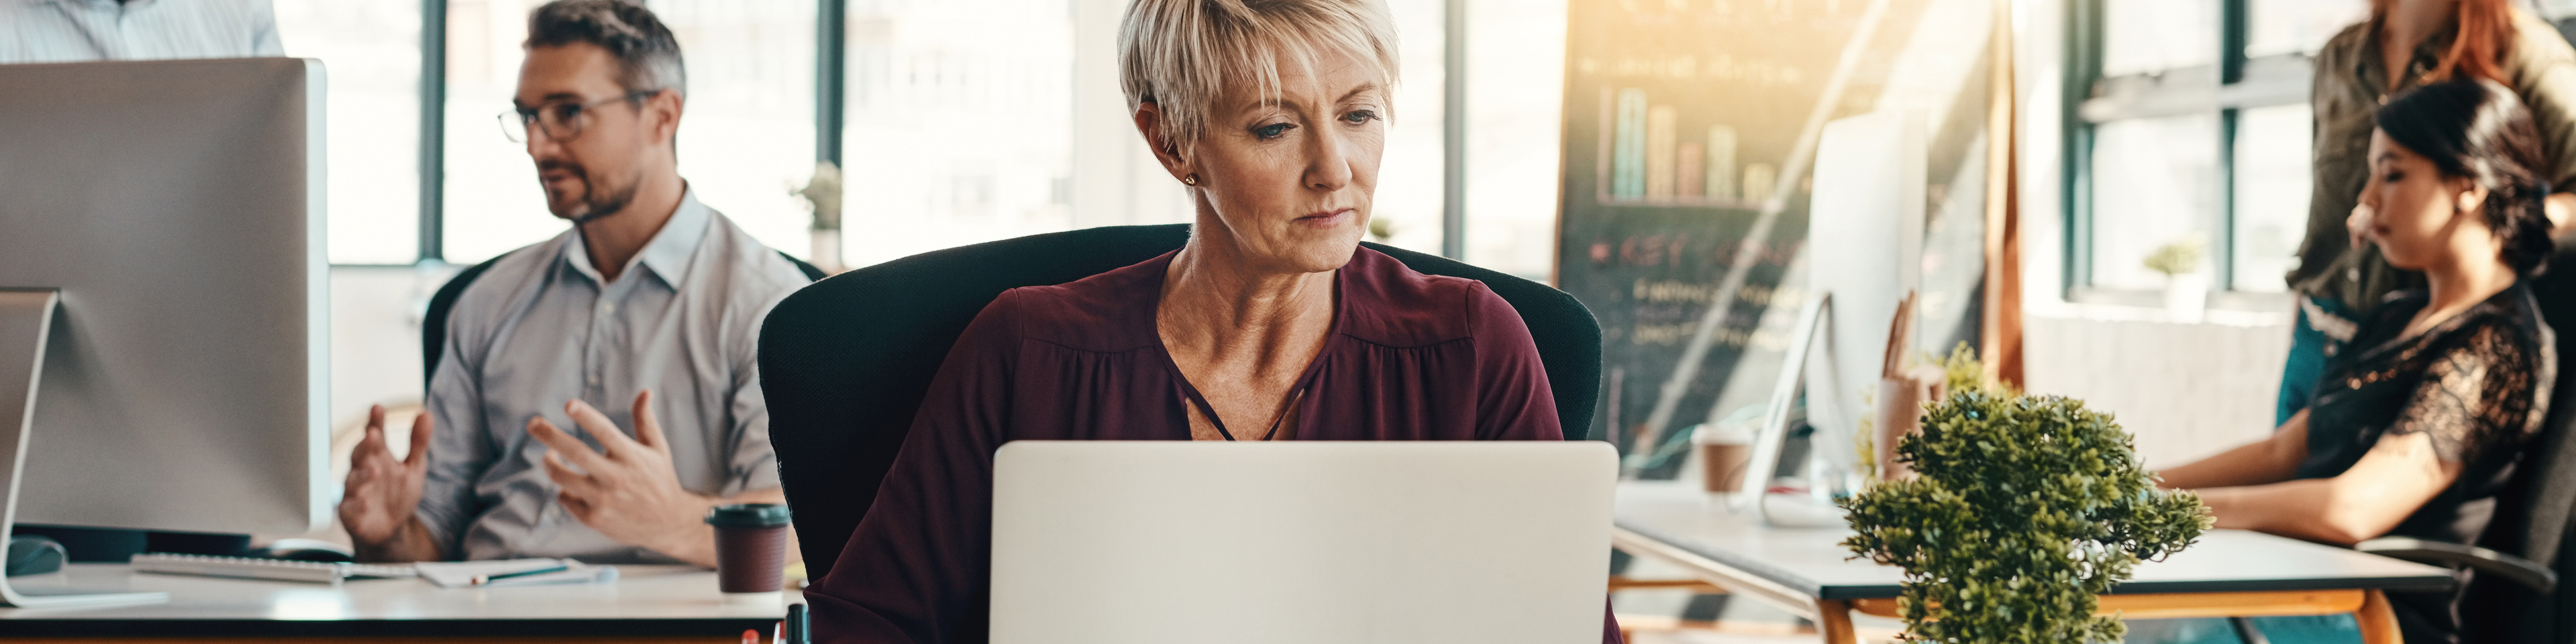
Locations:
1153 542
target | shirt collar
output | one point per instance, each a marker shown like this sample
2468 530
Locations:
2427 54
667 255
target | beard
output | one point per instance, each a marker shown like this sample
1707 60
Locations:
598 198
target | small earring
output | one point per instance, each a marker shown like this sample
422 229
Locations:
1191 180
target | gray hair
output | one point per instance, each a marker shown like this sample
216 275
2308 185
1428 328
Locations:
1182 55
648 57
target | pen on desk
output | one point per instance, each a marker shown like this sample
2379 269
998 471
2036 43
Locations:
479 580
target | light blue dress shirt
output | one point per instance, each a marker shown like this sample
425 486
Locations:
70 31
540 328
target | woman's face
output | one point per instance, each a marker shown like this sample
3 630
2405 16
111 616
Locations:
1289 181
2415 211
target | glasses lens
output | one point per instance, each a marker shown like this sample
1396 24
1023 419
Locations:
513 127
561 120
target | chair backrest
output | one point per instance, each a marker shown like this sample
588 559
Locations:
433 323
2534 515
845 362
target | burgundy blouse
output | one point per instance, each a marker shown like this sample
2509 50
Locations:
1411 357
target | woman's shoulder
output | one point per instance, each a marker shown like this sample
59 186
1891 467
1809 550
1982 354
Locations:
2506 328
1111 311
2537 43
2345 44
2515 314
1389 303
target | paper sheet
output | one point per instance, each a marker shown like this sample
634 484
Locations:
461 574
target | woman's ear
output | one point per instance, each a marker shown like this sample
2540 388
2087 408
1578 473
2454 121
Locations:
2470 197
1149 122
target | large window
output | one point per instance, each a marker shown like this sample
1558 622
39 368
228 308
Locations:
1515 103
2195 130
960 121
371 61
959 126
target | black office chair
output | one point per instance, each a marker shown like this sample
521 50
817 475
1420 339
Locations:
433 324
2512 595
846 361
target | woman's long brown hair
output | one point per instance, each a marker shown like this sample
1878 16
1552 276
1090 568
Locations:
2485 34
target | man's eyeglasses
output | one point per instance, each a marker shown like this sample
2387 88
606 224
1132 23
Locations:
561 120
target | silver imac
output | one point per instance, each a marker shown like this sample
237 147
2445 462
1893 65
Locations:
163 339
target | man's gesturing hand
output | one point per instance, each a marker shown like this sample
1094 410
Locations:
382 491
628 490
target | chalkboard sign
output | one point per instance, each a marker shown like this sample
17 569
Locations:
1689 123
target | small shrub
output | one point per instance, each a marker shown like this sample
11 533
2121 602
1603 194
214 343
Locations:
2022 511
2176 258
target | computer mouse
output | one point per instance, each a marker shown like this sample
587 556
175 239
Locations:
305 550
33 555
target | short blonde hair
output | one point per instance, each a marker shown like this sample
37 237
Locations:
1183 55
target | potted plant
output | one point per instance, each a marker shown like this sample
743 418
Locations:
2186 287
823 193
2022 510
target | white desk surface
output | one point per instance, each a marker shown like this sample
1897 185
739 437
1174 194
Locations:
1813 560
646 600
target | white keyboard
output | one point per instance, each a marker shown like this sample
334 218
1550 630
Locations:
248 568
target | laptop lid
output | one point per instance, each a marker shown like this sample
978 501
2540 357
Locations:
1154 542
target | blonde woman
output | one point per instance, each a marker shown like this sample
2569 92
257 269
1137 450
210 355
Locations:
1271 323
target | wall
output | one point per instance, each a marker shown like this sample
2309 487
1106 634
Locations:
2186 390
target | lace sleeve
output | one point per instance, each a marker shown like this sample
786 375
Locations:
2477 393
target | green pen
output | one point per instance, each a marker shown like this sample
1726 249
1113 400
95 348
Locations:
479 580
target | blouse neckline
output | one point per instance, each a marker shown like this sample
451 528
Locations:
1299 404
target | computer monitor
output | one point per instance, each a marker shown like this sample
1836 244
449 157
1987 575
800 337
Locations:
163 345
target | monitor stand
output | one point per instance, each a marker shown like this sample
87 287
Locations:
26 317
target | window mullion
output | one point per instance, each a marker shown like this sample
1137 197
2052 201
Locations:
2232 18
433 131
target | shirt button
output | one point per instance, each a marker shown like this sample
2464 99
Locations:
610 307
594 380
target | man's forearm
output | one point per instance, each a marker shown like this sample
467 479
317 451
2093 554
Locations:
696 544
410 543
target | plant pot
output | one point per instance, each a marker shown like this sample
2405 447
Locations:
2186 296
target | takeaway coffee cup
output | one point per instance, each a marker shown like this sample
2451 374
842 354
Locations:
751 547
1724 451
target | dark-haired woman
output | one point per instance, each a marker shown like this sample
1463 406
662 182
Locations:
2405 44
2417 425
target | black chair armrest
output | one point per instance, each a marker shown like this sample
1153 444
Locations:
2516 569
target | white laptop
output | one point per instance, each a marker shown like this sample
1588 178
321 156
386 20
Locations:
1174 542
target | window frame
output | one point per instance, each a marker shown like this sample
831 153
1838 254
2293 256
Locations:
831 99
2227 87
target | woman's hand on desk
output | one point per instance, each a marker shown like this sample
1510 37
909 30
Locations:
628 490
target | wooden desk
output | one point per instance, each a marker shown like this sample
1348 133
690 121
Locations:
2229 573
646 604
